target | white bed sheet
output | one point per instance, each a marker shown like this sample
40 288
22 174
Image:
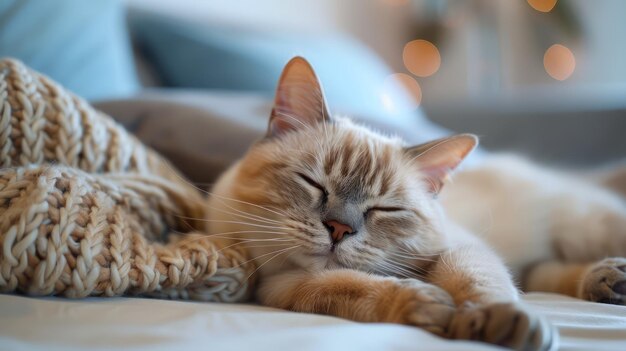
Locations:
147 324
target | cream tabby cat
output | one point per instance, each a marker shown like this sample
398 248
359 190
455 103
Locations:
346 222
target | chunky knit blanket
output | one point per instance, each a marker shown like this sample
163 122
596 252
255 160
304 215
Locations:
87 210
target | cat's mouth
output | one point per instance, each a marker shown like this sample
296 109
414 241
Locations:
333 246
331 257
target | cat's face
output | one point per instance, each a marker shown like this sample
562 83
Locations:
335 194
337 176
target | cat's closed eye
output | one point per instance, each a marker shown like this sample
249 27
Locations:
316 185
382 209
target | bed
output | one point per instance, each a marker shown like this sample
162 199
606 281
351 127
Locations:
146 324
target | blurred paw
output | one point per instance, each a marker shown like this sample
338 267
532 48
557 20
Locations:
606 282
504 324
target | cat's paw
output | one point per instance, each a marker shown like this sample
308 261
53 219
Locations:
429 307
504 324
605 282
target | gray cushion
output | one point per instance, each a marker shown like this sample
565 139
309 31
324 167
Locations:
200 133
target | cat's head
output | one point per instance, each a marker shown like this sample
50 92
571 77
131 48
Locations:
320 191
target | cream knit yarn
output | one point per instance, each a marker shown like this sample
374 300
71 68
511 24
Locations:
86 209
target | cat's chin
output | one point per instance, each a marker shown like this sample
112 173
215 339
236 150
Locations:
334 264
319 261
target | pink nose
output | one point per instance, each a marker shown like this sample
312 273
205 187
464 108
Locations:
337 230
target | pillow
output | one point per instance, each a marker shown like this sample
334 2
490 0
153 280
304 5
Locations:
189 54
81 44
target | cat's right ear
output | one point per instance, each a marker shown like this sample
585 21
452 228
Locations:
299 101
438 158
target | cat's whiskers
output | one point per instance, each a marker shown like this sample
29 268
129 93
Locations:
232 222
184 219
256 246
286 258
390 269
203 184
408 267
276 254
224 235
416 257
413 251
239 239
245 215
444 257
274 211
304 239
222 201
209 193
261 256
404 263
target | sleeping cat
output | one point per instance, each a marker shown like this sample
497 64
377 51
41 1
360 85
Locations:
347 222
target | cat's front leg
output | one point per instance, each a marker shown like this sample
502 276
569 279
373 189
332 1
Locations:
361 297
489 310
473 273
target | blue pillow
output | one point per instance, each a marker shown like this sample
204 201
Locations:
81 44
188 54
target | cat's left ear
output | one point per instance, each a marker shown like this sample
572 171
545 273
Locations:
299 101
438 158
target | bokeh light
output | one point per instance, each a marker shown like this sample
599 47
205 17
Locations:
395 90
542 5
421 58
559 62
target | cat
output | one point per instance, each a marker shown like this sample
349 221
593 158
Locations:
345 221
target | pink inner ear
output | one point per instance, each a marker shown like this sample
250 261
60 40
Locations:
279 123
436 176
443 165
438 159
282 117
299 100
281 101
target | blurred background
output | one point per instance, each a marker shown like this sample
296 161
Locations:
544 78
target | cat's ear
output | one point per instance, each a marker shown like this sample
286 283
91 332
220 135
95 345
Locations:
299 101
438 158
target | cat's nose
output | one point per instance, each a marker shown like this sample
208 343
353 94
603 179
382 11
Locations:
337 230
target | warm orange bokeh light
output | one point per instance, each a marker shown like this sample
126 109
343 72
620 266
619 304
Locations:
542 5
395 85
559 62
421 58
